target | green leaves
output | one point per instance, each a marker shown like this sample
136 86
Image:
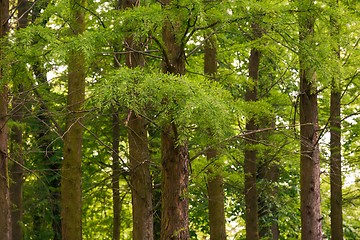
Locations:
193 103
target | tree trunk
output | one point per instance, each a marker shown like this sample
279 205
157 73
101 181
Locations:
71 168
216 195
175 178
140 178
116 174
174 154
250 161
5 215
309 129
139 155
216 200
335 140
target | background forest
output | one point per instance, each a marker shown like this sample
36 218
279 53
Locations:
179 119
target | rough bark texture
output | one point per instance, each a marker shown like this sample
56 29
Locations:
140 178
5 215
216 195
175 178
309 129
337 232
139 155
250 169
71 168
174 154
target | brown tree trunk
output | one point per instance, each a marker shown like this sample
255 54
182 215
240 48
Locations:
335 141
5 215
309 129
174 154
216 195
16 168
71 168
175 178
139 155
250 161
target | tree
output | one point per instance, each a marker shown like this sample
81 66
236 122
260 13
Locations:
250 161
139 154
71 168
335 136
216 196
309 129
5 215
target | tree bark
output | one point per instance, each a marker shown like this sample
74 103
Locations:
250 161
5 214
139 155
309 129
71 168
174 154
335 140
216 196
175 178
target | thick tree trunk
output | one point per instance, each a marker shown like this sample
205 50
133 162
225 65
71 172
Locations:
216 195
335 141
309 129
140 178
175 178
71 168
250 161
5 215
174 154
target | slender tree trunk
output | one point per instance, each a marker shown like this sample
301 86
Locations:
216 195
335 141
71 168
309 129
116 174
250 161
174 154
139 155
16 168
5 215
268 173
